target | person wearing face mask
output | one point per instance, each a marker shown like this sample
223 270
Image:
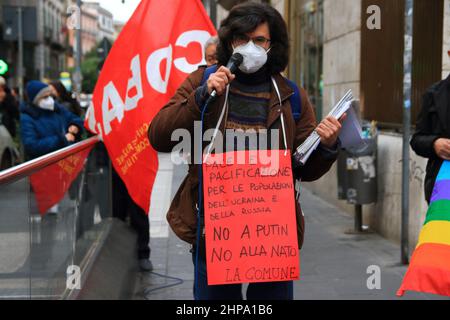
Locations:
45 125
256 97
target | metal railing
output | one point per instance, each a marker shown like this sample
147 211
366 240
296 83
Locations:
55 212
30 167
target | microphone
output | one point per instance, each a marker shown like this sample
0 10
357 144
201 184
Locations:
234 63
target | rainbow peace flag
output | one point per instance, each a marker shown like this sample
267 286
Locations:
429 270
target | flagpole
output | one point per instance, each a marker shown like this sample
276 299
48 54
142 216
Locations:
407 60
77 75
20 50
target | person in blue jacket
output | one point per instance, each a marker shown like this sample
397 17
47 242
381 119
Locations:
45 125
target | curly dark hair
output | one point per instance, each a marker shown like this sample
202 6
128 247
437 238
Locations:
245 18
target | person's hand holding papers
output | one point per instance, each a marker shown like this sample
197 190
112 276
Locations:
329 130
347 129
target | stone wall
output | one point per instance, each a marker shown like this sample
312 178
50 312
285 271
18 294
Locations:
342 43
446 46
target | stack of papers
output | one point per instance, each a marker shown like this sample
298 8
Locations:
349 136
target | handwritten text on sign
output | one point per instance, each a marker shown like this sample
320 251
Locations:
251 233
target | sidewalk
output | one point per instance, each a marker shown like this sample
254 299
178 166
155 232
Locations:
333 264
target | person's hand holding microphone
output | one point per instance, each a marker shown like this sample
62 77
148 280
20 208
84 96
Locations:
218 81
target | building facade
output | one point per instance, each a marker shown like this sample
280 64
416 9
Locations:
370 62
105 22
118 26
45 41
89 28
89 32
51 53
96 24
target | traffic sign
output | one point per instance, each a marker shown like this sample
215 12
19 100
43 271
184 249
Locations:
3 67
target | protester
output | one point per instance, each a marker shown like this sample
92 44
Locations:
64 98
45 125
432 136
211 51
259 33
9 108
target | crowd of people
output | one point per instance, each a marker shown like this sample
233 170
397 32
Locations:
37 120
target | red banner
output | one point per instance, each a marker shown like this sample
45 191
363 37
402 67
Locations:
250 224
51 183
159 46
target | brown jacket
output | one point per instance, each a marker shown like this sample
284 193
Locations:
181 112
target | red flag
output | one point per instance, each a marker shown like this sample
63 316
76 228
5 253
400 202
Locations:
159 46
51 183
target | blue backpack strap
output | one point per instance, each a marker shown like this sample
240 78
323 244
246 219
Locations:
295 100
208 71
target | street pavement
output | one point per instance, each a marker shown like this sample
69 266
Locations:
334 264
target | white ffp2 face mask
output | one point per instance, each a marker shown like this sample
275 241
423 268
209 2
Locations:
47 104
255 57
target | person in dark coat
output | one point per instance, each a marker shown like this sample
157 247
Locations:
432 136
45 125
65 98
9 108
